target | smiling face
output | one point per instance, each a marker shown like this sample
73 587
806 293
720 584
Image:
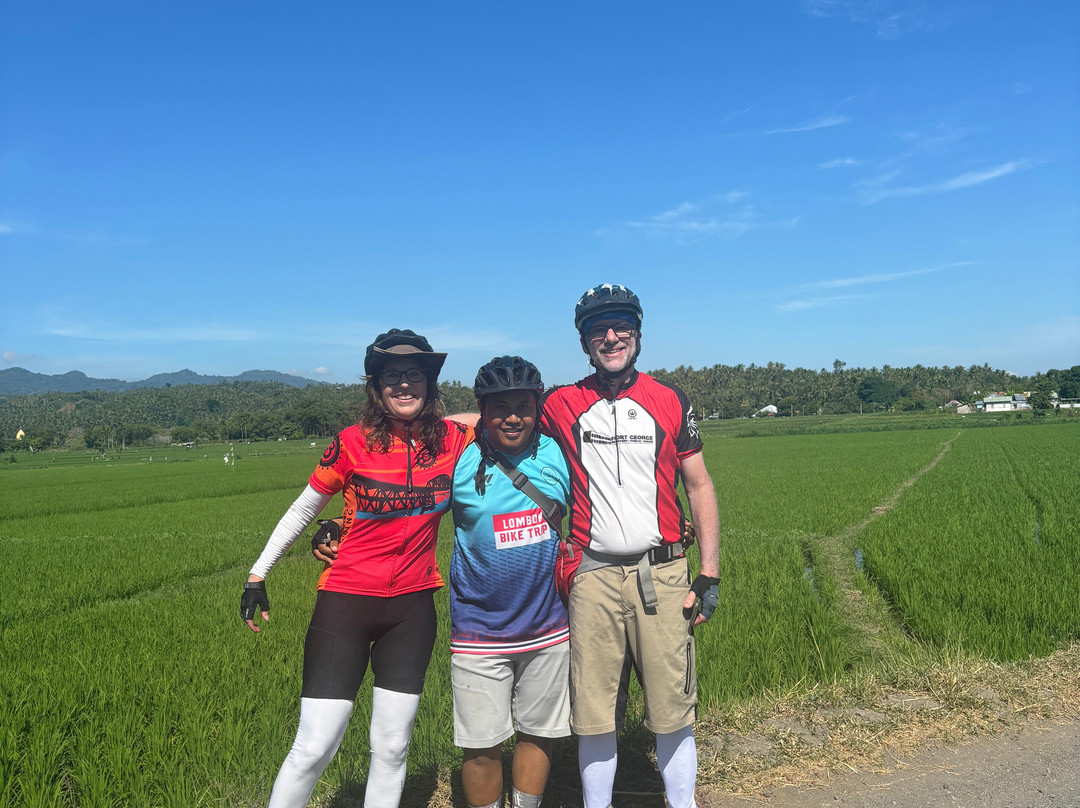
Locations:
608 351
509 419
403 399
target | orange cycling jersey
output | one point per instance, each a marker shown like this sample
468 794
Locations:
393 503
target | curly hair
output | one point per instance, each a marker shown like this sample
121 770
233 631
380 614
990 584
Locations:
376 422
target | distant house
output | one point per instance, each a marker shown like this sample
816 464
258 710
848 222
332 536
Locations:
1003 403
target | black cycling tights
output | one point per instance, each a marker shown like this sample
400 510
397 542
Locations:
396 634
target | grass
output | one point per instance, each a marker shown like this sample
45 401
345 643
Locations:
129 679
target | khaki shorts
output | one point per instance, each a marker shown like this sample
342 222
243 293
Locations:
607 617
496 695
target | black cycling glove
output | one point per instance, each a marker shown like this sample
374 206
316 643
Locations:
254 599
329 530
707 590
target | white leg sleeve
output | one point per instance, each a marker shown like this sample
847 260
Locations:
392 717
597 761
676 755
322 726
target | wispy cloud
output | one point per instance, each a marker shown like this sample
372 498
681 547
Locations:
878 180
816 303
731 197
11 228
840 162
824 122
736 113
11 357
966 180
460 337
919 145
890 19
937 139
307 374
91 238
812 300
356 335
890 27
879 277
125 333
734 227
676 212
720 215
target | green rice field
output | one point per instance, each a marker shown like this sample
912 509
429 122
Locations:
129 679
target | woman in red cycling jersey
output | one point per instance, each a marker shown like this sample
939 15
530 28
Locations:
394 470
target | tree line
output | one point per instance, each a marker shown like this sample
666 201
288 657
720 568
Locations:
742 390
246 410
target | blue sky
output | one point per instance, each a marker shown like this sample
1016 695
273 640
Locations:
232 185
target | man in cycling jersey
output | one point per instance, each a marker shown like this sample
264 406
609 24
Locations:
629 439
509 638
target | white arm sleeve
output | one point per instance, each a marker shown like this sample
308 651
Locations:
300 514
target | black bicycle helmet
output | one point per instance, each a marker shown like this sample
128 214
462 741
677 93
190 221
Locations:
406 343
607 298
507 373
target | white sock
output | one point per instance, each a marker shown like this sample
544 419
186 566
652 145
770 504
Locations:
676 755
597 761
322 726
392 717
519 799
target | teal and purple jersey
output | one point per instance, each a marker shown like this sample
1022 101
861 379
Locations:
502 584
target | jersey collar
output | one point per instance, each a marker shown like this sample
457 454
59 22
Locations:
624 388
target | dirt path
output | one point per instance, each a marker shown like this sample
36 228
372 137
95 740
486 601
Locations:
864 609
888 751
1033 766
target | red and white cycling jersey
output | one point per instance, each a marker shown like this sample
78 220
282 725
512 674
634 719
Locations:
393 503
625 457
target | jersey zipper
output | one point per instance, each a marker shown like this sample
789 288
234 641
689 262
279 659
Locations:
615 436
404 520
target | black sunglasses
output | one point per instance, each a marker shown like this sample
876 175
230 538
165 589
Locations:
392 377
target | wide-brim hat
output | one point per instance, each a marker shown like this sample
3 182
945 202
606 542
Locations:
398 342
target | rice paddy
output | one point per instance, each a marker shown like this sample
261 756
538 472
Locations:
129 679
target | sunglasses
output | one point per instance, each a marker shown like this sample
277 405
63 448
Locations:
391 377
598 333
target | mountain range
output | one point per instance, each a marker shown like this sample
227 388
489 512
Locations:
22 382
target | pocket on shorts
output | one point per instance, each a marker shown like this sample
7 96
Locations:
673 573
691 668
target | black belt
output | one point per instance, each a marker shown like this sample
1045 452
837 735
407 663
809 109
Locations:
657 555
666 552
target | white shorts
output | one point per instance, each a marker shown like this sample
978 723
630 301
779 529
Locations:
496 695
